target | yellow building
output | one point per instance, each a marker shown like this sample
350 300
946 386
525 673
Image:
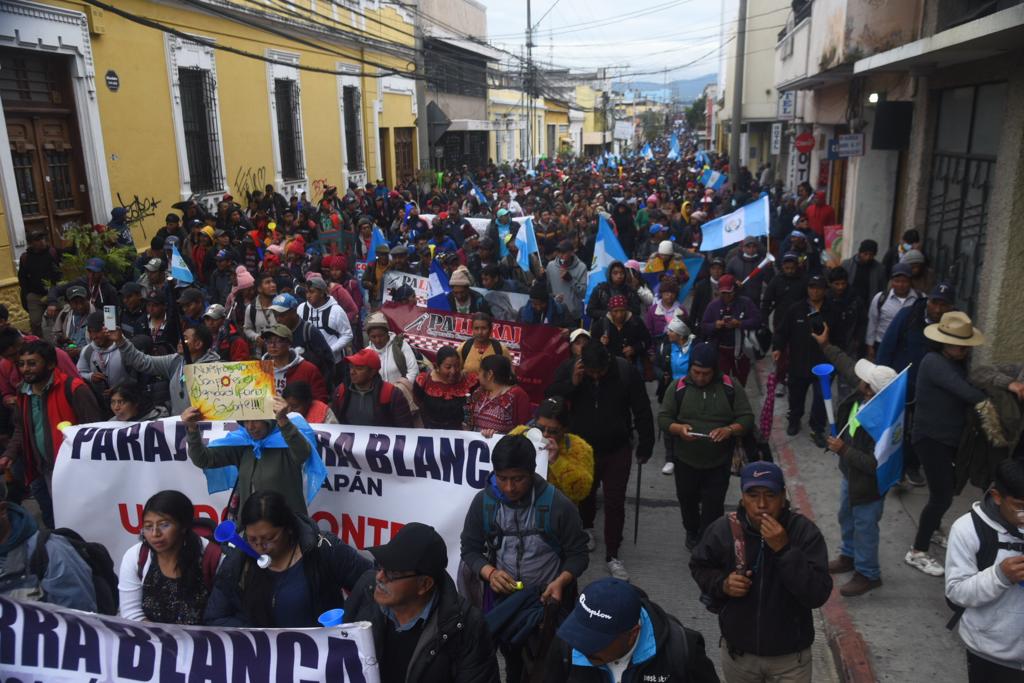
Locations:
223 97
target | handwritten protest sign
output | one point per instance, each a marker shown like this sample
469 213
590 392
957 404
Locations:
232 391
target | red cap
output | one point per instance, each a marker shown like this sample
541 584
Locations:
617 301
365 358
727 283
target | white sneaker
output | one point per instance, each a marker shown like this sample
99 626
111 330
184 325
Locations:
617 569
591 543
940 539
669 468
925 562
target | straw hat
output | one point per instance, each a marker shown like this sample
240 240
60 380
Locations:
955 328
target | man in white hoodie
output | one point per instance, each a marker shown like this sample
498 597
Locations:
984 565
397 360
323 313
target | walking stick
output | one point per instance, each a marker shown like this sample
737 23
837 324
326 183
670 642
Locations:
636 517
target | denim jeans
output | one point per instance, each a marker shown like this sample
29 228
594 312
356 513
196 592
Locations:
859 524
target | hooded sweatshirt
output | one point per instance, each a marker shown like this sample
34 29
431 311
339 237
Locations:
990 625
300 370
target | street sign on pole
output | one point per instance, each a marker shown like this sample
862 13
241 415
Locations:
851 145
804 142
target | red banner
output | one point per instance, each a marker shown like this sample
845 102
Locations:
537 350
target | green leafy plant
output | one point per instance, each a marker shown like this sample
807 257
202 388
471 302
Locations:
89 241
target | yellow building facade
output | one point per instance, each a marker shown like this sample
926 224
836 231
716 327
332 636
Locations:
101 111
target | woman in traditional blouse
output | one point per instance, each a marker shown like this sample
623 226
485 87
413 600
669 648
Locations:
441 393
498 404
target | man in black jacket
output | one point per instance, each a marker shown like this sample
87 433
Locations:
607 401
616 630
793 337
784 290
423 630
763 568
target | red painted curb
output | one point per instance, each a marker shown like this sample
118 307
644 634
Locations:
848 647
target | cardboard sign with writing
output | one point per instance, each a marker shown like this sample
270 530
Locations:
232 391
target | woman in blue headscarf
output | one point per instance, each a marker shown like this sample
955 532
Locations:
261 455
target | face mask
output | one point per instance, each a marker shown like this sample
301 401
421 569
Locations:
906 247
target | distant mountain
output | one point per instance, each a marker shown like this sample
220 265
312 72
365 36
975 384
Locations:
683 90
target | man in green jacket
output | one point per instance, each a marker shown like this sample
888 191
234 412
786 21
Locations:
860 503
703 413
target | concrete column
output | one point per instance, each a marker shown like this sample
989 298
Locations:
870 193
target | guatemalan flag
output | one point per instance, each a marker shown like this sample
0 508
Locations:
480 196
702 159
439 287
606 250
747 221
713 180
526 244
179 269
882 417
376 239
646 152
673 152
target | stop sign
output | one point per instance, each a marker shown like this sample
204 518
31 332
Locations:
804 142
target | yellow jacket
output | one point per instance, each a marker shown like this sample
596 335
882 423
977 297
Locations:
572 472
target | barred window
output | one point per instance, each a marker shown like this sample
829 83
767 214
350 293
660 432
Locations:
199 120
289 128
353 129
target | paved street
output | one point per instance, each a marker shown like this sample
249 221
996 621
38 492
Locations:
902 623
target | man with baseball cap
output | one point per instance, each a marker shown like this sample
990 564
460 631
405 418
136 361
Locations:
860 500
228 342
366 399
616 631
764 569
423 630
904 345
887 303
289 366
307 340
725 322
793 337
705 401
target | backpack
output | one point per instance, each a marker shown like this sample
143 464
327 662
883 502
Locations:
323 319
467 346
754 446
211 554
422 363
104 578
989 547
541 517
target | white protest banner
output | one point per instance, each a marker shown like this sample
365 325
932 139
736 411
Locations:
421 285
504 305
378 479
479 224
41 642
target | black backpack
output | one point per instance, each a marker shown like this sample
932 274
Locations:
989 547
104 578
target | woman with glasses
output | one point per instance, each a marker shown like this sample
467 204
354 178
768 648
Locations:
570 458
498 404
308 570
166 576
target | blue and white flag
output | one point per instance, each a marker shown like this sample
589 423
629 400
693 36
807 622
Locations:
673 152
439 287
526 244
747 221
713 180
702 159
882 417
480 196
646 152
179 269
377 238
606 250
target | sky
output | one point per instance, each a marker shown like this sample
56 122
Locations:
639 36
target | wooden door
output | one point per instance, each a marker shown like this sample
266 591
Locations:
404 165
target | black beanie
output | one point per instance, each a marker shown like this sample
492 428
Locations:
514 452
704 355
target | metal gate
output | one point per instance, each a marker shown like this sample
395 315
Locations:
957 219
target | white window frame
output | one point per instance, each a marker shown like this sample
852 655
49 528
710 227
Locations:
189 54
351 79
286 72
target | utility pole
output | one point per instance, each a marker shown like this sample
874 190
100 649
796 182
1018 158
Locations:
736 125
423 124
529 86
